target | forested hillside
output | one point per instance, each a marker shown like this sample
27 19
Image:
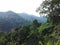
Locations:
37 33
34 34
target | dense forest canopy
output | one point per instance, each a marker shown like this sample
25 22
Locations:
37 33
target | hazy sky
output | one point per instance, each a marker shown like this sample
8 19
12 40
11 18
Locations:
19 6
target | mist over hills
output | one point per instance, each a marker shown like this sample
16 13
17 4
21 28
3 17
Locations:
10 20
32 17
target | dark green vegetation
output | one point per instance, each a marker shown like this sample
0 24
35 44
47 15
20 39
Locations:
34 34
37 33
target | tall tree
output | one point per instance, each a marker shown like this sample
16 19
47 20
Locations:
50 8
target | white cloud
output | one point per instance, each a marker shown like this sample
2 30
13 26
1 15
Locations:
28 6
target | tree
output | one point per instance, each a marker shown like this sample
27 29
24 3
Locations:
51 8
2 40
36 23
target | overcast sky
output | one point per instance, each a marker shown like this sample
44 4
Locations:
20 6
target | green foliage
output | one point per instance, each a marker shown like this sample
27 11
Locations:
44 26
51 8
49 42
50 31
2 40
11 43
58 42
34 34
37 33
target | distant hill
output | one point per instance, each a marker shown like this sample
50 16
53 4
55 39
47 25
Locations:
32 17
10 20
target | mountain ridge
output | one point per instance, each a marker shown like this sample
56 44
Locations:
32 17
10 20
